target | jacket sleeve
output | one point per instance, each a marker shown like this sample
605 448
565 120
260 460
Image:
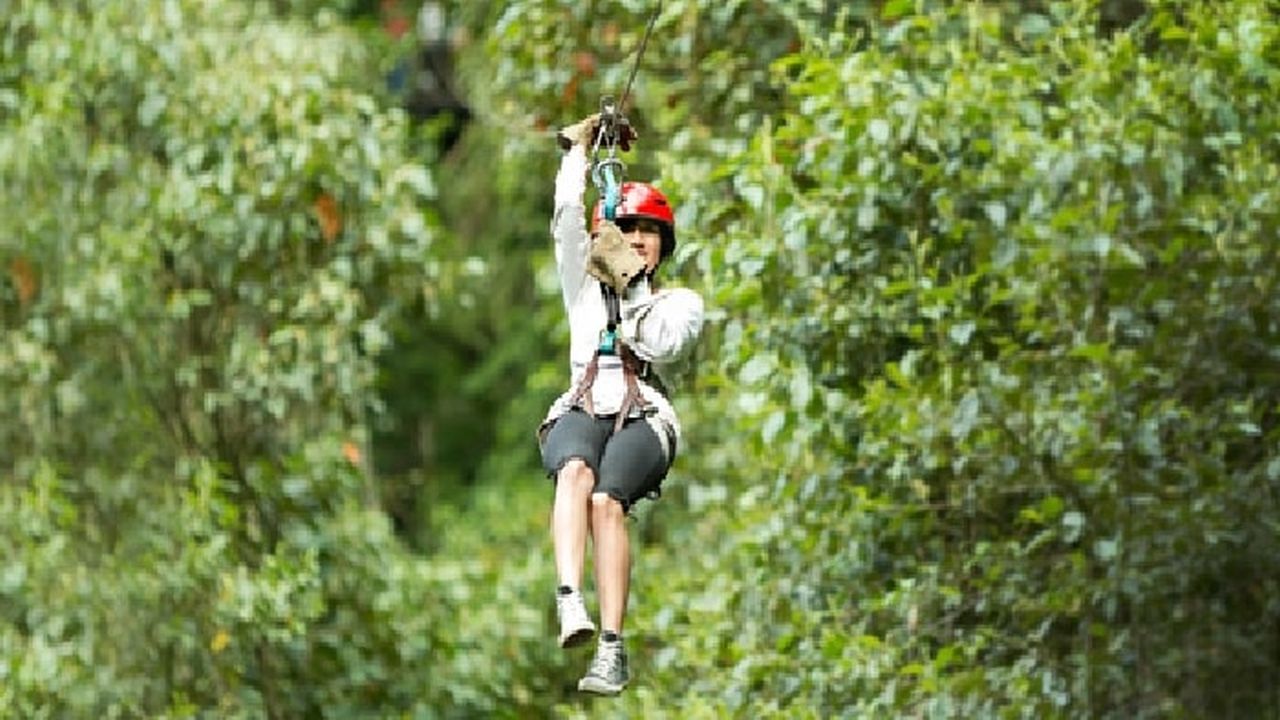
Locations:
665 327
568 224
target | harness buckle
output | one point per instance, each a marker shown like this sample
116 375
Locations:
608 342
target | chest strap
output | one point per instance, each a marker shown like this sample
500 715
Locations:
632 366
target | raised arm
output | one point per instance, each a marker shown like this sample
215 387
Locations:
569 225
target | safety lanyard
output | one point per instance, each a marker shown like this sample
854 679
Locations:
613 310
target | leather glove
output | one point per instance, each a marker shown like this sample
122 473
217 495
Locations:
581 133
584 133
611 259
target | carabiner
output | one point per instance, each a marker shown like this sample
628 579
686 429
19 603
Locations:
607 175
608 342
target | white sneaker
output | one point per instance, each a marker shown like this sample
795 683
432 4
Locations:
576 627
608 674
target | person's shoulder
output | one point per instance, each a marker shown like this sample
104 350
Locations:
680 295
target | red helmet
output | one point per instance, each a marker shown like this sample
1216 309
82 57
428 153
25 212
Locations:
642 200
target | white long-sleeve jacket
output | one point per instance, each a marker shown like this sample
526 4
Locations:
659 326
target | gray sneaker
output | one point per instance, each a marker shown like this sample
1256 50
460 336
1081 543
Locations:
576 627
608 674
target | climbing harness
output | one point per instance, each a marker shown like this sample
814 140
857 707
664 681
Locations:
633 368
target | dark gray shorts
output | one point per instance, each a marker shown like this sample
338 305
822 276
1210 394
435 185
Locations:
628 465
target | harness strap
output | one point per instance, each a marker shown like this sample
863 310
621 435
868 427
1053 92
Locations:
633 367
582 394
632 397
609 338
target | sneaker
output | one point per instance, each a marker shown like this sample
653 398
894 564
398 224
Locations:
576 627
608 673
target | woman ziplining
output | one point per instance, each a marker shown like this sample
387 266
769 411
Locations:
609 440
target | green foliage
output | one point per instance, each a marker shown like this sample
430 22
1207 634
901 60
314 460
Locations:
211 222
999 306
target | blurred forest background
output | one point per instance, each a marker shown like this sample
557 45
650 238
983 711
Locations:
985 421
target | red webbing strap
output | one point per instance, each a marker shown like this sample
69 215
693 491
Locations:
582 393
631 367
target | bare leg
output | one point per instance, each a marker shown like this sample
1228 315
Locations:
569 520
612 559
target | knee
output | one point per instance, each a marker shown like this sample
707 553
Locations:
577 476
605 508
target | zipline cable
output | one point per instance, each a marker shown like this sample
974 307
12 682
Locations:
644 43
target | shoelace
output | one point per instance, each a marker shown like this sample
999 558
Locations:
571 607
606 663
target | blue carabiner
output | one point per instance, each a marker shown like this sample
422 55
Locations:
611 200
611 197
608 342
605 175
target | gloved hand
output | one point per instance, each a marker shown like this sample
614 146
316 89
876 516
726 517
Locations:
584 133
581 133
612 260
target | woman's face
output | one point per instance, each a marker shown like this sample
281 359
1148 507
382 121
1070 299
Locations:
645 237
